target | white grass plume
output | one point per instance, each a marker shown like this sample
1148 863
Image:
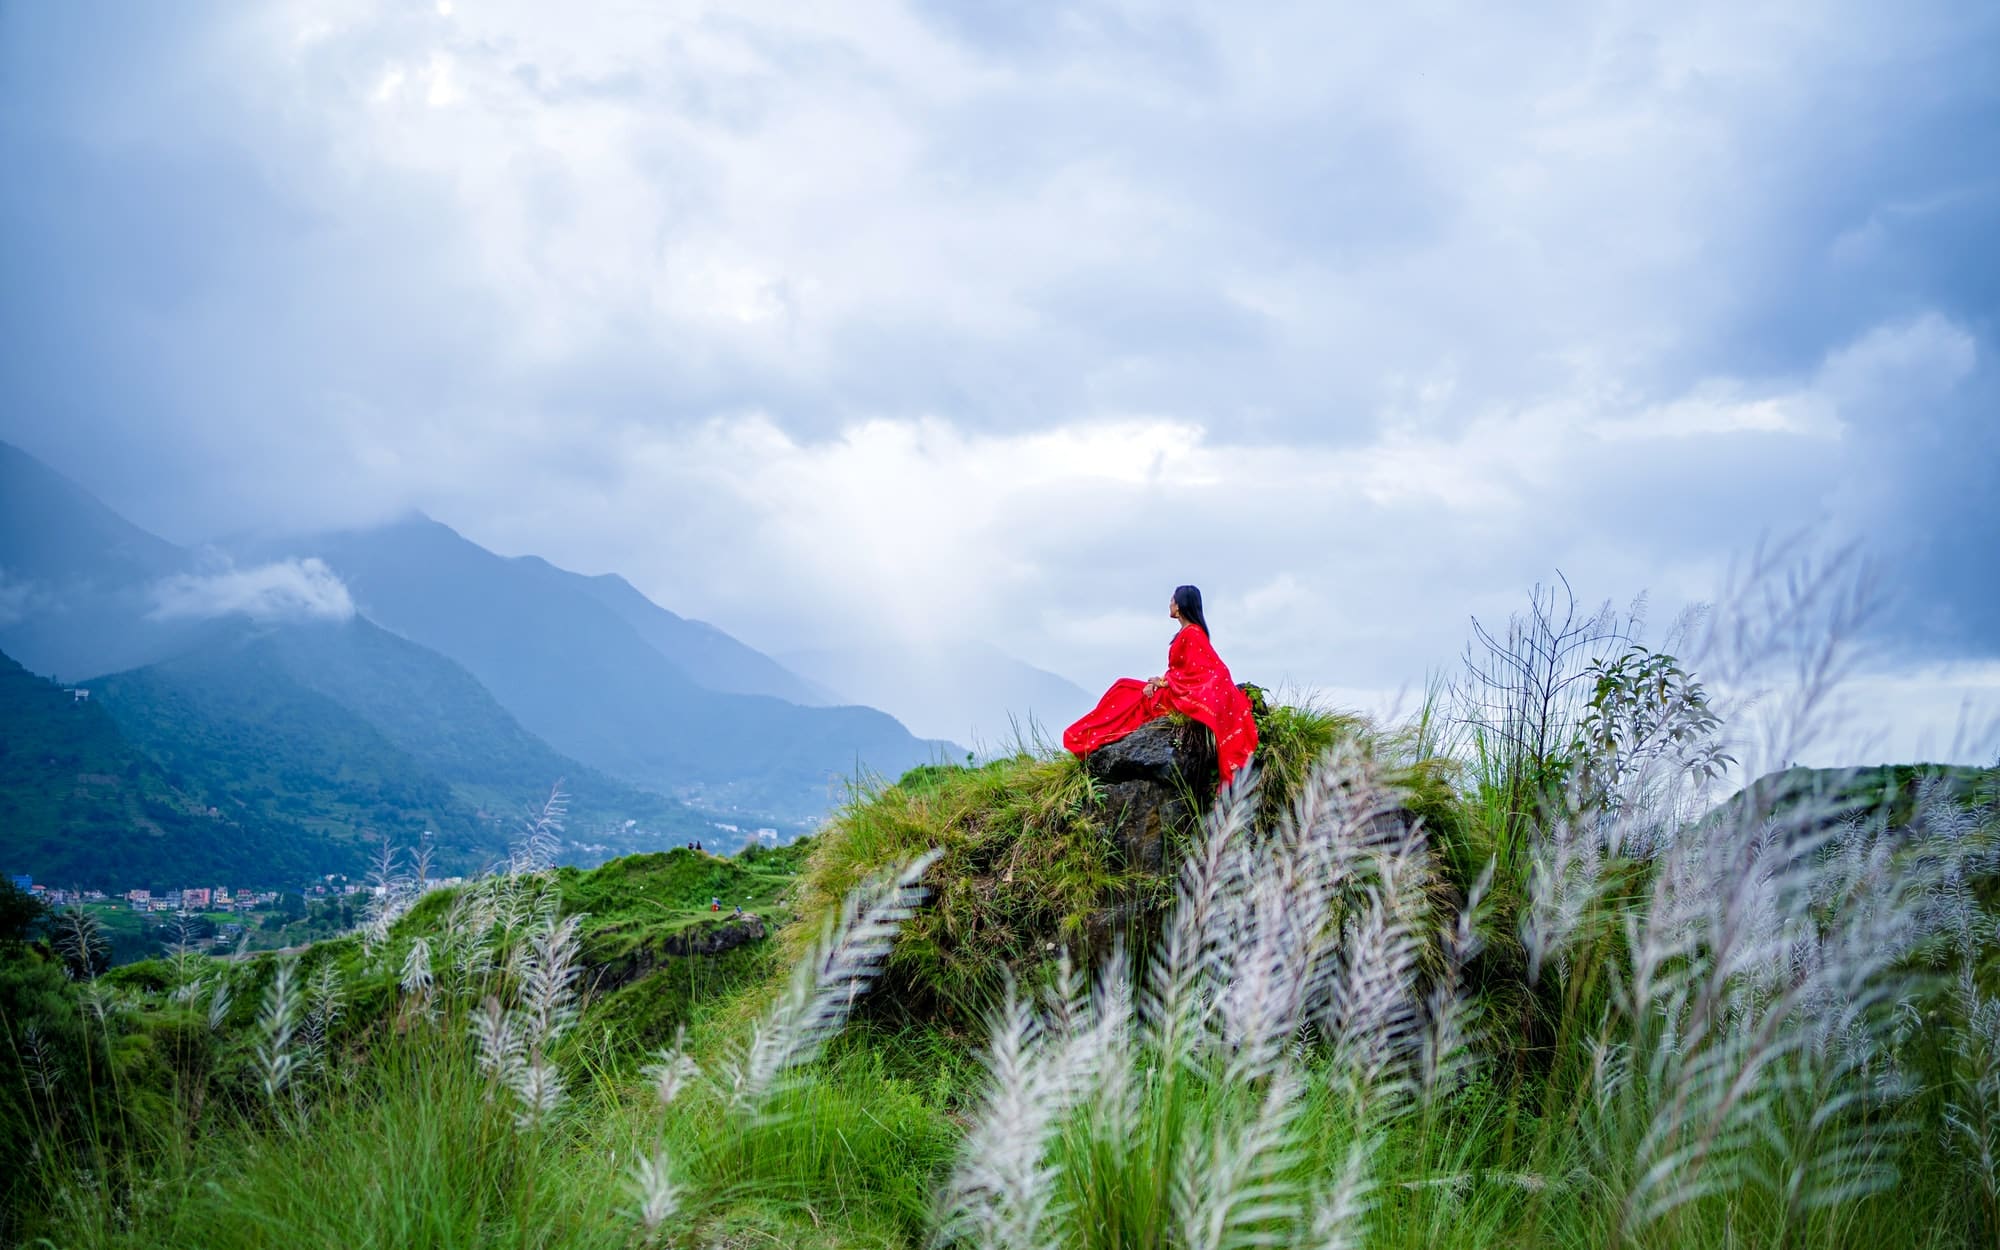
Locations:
540 841
1234 1189
672 1070
1184 1101
416 976
81 941
1340 1213
1371 1016
43 1069
325 1000
1567 880
1177 1004
1767 978
185 965
1972 1110
513 1045
275 1022
826 983
497 1044
1001 1194
655 1197
103 1003
218 1005
538 1090
1266 960
548 983
1447 1049
1110 1064
326 996
391 892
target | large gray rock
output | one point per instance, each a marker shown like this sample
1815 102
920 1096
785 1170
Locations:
1154 782
1170 751
609 963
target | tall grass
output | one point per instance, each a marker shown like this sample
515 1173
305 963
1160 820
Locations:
1723 1050
1391 999
1276 1061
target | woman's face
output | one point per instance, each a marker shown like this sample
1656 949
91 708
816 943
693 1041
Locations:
1173 609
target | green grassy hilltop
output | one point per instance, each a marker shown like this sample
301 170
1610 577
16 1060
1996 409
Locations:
1488 1032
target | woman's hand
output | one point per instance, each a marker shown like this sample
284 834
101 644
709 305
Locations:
1153 684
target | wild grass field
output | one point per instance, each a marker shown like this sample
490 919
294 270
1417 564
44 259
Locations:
1530 967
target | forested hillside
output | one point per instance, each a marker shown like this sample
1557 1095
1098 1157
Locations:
231 725
80 803
438 714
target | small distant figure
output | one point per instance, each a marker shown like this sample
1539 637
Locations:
739 909
714 903
697 844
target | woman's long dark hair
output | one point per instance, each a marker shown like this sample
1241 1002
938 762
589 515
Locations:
1188 600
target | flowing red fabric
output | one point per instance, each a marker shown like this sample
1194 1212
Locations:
1198 684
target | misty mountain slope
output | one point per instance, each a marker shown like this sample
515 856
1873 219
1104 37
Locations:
81 805
52 528
588 665
433 709
976 694
76 577
576 673
707 655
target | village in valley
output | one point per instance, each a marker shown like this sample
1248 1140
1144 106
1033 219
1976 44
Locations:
140 922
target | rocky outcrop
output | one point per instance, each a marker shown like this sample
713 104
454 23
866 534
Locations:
619 954
1154 782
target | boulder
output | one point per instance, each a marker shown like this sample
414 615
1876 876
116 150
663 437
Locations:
1154 782
620 954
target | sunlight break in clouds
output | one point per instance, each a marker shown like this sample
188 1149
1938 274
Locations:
287 590
926 528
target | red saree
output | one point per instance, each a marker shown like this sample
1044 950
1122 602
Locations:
1198 684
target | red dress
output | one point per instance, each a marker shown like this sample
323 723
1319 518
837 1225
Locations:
1198 684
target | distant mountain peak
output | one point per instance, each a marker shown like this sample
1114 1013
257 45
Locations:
52 528
590 664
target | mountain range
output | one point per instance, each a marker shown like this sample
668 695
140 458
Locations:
319 693
973 693
608 677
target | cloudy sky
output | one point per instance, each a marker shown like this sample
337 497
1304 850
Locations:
934 322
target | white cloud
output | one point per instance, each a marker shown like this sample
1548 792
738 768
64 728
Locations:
1328 565
286 590
1935 713
1910 361
443 88
955 322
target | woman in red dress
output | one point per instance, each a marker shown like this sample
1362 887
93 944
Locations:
1196 683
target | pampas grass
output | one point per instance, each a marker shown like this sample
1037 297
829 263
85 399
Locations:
655 1198
1587 1006
1180 1116
273 1047
825 984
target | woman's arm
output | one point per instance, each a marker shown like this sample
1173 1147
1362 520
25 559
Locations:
1176 659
